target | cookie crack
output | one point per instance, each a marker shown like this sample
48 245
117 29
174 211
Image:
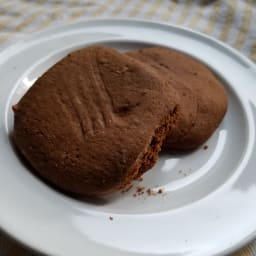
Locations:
76 112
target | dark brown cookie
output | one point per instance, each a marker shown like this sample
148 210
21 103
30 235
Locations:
94 121
187 103
204 100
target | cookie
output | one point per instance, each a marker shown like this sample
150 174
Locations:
203 97
187 107
95 121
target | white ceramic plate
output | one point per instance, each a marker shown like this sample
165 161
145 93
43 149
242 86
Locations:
209 204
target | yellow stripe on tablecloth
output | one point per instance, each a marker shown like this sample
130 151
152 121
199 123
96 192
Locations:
169 11
28 21
39 2
185 12
74 3
77 4
137 8
5 9
153 9
59 11
102 8
119 8
55 2
244 27
36 11
197 15
76 13
253 51
8 20
50 19
212 20
229 19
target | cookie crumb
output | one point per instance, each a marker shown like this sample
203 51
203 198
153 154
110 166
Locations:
150 192
160 191
140 189
110 218
180 171
140 179
127 189
205 147
134 195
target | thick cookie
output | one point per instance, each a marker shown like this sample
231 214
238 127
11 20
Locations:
94 121
204 100
187 104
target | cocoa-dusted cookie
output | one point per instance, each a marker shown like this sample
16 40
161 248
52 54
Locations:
204 100
187 105
94 121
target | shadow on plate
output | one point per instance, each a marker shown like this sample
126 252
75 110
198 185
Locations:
30 169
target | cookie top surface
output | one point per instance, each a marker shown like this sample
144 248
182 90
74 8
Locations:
203 98
187 103
85 123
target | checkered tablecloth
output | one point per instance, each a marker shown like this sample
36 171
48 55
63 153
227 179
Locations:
232 21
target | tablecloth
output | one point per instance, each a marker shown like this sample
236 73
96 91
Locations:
231 21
